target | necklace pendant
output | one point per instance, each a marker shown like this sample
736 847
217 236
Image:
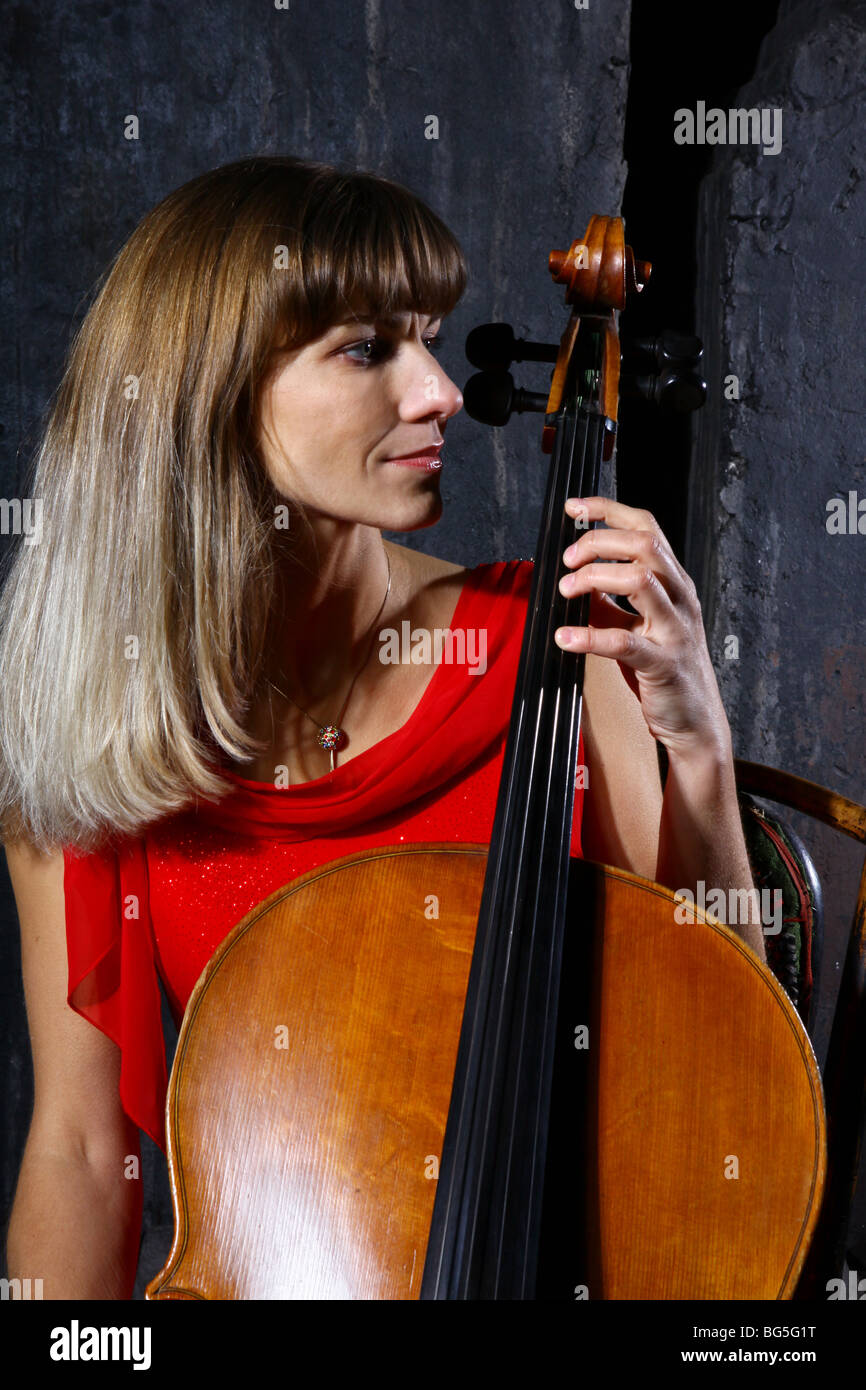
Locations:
330 737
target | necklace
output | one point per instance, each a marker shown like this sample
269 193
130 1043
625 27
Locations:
332 736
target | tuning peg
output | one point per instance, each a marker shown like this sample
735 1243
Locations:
493 346
669 349
491 397
679 391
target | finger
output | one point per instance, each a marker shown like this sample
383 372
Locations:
612 513
615 516
604 613
619 643
643 547
638 583
593 642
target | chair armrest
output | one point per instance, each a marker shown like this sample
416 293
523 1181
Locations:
780 861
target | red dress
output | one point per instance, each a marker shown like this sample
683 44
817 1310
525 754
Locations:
159 905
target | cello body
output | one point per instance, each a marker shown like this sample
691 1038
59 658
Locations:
310 1089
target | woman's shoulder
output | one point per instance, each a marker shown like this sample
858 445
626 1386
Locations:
439 584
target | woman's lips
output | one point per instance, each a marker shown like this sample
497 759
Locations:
431 461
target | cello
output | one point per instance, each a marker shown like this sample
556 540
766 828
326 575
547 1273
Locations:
550 1096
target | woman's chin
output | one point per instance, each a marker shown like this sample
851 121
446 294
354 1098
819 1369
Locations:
424 510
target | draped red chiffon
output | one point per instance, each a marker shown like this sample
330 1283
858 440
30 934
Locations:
157 907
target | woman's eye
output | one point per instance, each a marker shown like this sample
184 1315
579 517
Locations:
371 350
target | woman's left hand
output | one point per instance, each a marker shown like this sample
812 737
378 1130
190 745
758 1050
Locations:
661 651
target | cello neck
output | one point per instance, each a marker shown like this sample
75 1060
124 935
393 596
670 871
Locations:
484 1235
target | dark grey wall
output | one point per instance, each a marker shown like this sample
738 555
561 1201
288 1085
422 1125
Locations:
780 239
780 242
531 108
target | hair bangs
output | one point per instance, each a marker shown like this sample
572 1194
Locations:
368 247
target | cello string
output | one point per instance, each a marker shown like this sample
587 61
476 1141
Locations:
508 890
556 838
470 1154
569 676
523 1017
509 999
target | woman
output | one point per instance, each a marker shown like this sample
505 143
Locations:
251 400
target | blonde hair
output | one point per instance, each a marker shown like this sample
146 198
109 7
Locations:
131 635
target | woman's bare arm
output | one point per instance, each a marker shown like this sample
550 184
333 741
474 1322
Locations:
623 795
661 651
76 1219
691 831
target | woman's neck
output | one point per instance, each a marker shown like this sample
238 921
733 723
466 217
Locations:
329 595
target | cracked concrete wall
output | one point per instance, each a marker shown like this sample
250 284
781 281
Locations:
780 249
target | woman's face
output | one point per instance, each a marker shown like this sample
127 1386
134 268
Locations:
336 412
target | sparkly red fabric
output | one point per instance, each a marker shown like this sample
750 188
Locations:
159 906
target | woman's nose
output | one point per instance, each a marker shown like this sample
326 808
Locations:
433 392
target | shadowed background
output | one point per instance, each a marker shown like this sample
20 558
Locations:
545 116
